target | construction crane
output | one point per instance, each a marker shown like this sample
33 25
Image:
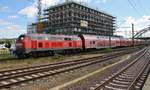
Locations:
67 0
39 23
39 18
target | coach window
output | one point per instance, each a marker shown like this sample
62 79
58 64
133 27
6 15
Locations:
93 42
67 39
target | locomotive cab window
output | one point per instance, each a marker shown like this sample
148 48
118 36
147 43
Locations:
40 38
21 37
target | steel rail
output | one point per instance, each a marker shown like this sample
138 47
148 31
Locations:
48 72
103 84
48 66
131 87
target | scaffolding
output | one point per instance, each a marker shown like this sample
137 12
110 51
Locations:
74 18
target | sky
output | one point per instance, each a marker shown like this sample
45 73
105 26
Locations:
15 15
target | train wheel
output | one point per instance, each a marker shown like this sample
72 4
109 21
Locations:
49 53
46 53
34 54
65 52
53 53
27 55
73 51
70 52
21 56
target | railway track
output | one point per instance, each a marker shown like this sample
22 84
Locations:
131 77
17 76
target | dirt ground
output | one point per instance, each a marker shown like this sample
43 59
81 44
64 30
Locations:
13 64
60 81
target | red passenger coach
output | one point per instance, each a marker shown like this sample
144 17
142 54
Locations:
115 41
123 42
97 41
103 42
88 41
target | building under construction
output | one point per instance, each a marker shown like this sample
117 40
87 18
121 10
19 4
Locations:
73 18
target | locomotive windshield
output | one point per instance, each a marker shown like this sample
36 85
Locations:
21 37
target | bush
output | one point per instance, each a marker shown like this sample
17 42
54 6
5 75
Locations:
8 44
58 57
108 50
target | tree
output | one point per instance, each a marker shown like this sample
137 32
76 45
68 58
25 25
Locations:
8 44
2 42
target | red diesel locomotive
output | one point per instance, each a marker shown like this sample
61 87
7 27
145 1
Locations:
46 44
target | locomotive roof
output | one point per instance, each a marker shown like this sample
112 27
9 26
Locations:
51 35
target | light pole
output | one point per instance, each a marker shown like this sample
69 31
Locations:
132 34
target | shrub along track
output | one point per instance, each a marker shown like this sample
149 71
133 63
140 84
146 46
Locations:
11 57
13 77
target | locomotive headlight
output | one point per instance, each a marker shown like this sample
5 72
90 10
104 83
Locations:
22 38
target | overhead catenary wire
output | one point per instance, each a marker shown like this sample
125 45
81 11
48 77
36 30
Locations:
139 6
133 6
142 7
31 1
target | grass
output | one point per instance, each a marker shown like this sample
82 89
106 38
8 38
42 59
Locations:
6 56
7 63
58 57
108 50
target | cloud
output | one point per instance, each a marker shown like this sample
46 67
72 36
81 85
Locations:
3 22
10 33
3 8
86 1
139 24
13 17
31 11
13 27
50 2
9 30
91 1
101 1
